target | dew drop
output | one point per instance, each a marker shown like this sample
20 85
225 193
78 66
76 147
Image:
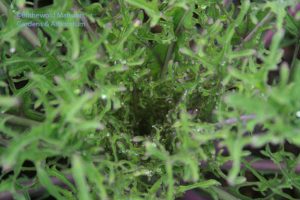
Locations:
12 50
137 23
148 173
103 96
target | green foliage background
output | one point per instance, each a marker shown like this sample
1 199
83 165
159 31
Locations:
133 113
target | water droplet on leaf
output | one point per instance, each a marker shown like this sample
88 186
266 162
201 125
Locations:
298 114
12 50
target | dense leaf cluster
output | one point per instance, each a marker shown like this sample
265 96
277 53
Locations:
150 99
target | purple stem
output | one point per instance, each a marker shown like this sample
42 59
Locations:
268 38
192 195
38 192
243 118
259 165
295 10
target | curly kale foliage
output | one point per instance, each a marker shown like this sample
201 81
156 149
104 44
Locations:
147 99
